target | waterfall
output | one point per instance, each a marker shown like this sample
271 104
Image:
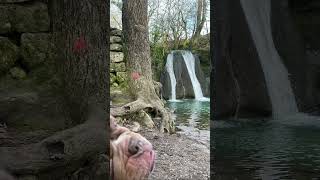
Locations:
169 67
190 63
257 13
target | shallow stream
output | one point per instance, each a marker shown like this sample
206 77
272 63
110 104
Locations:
192 118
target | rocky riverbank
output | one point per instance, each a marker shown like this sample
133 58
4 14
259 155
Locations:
179 157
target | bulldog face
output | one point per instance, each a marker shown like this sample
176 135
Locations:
132 155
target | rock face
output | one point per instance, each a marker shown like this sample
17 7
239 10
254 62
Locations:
34 48
184 88
5 24
8 54
31 17
27 71
237 63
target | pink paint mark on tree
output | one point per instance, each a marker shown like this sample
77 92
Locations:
135 75
79 45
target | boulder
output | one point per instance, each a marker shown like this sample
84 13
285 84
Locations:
116 57
34 49
8 54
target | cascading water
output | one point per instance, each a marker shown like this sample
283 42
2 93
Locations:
257 13
190 63
169 68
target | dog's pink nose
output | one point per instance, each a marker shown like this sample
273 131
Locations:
137 146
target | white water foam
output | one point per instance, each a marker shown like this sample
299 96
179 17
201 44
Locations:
169 67
190 63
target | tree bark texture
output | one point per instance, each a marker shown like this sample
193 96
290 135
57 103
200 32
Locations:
80 28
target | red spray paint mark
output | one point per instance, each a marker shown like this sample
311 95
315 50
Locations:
135 75
79 45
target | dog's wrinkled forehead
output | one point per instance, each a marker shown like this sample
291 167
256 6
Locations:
119 133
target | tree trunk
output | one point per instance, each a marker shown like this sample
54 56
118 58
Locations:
201 19
80 28
137 52
80 31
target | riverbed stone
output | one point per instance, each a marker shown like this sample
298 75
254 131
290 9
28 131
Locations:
32 17
115 47
116 57
115 39
9 54
34 48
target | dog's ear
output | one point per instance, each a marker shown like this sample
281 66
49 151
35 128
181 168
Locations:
116 130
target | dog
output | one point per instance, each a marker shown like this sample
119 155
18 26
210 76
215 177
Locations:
132 156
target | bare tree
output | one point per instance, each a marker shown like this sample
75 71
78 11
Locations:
201 18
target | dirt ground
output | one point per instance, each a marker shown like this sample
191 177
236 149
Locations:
179 157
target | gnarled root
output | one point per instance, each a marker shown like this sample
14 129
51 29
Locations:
166 124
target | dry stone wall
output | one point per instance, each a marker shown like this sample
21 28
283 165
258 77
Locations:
24 36
118 74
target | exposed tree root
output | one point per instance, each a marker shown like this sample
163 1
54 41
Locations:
156 106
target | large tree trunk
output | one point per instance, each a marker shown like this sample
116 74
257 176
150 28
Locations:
137 51
80 31
80 28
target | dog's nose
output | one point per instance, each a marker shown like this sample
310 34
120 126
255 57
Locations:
135 146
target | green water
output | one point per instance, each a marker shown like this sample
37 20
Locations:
192 118
266 149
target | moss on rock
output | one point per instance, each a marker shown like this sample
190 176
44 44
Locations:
18 73
8 54
117 67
